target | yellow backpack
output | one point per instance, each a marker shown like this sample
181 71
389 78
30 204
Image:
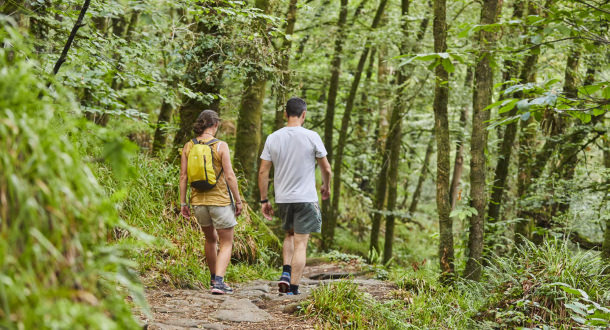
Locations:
200 171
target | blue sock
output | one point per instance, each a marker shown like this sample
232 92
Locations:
287 269
212 278
219 279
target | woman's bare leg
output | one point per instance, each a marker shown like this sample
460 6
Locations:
224 255
211 238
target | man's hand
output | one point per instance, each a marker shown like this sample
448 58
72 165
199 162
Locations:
267 210
185 211
238 207
325 190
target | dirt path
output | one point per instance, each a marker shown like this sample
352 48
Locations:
254 305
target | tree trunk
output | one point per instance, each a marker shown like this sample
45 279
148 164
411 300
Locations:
329 223
165 115
77 25
458 164
248 137
482 95
207 83
283 86
441 129
393 144
508 137
421 179
338 162
606 244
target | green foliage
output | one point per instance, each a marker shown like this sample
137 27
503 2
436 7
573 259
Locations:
533 286
341 305
56 269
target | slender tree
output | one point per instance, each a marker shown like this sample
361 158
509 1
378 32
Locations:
77 25
482 94
329 223
458 163
511 70
441 129
606 244
338 158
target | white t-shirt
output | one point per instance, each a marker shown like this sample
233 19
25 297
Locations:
293 152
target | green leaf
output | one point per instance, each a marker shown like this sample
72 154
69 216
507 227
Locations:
508 106
446 62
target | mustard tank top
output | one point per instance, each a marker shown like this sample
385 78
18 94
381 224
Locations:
219 195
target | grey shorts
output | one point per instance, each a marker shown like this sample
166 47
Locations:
302 218
221 217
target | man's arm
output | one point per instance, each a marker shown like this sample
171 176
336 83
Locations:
326 174
263 186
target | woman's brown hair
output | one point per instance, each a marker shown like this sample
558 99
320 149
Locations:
206 119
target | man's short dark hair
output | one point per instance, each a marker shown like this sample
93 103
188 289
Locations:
295 107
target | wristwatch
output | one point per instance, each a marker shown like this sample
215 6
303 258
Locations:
264 201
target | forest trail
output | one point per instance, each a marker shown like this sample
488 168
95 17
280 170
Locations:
254 305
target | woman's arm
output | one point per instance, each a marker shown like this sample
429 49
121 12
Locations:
225 156
184 208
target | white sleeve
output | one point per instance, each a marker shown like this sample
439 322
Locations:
319 146
266 155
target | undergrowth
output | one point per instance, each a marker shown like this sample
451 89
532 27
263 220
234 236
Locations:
340 305
56 269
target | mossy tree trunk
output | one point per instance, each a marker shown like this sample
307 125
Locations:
204 77
249 122
482 95
441 129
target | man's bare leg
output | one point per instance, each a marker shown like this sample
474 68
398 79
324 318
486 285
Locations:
288 248
299 257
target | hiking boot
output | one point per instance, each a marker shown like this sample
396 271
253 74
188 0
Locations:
284 282
221 288
290 293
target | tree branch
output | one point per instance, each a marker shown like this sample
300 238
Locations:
77 25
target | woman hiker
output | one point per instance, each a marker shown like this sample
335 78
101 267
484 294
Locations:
212 206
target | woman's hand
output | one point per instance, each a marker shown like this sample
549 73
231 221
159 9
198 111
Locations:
238 208
185 211
267 210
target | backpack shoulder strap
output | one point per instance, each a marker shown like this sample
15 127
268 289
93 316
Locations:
195 141
212 141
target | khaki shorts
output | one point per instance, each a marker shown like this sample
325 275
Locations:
221 217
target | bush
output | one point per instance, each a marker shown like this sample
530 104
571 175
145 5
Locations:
56 270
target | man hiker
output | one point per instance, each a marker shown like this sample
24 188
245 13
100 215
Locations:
294 151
